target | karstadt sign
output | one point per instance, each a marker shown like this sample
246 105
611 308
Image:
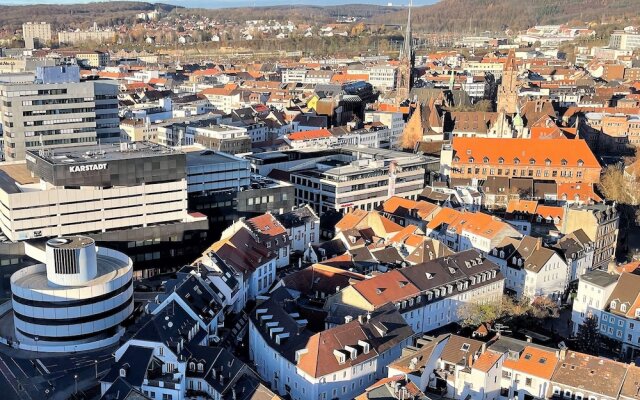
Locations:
90 167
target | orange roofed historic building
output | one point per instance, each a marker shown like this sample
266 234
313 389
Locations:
560 160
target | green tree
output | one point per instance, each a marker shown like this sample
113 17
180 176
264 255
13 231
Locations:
588 337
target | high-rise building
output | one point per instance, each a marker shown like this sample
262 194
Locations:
56 109
404 82
36 34
508 91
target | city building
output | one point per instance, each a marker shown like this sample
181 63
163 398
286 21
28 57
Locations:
36 34
133 196
600 223
93 59
303 227
225 138
82 37
428 295
364 180
336 363
55 110
594 290
530 269
624 40
481 158
77 299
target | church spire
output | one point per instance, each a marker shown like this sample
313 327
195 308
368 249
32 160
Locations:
404 78
407 34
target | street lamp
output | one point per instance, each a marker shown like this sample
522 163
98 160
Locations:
75 377
36 339
96 363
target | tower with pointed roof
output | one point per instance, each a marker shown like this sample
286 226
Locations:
508 91
404 80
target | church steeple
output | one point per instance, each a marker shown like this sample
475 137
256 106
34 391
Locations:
507 101
407 34
404 80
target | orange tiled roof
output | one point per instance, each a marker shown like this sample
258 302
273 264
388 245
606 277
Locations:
583 191
486 361
534 361
423 208
339 78
550 211
386 288
555 150
309 135
523 206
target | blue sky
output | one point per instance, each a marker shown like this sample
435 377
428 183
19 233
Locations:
231 3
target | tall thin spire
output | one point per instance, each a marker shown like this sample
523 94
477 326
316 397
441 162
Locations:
407 34
404 79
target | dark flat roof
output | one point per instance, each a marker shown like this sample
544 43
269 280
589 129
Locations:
103 152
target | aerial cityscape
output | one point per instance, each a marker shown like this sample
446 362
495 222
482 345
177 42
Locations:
238 200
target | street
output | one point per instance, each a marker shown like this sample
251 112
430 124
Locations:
35 376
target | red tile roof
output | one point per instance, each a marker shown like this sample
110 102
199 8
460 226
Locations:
555 150
309 135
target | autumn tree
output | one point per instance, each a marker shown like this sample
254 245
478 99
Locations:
474 314
615 186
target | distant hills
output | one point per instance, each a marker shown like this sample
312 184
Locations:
107 12
497 15
446 15
119 12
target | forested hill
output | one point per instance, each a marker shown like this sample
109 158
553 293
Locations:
497 15
104 13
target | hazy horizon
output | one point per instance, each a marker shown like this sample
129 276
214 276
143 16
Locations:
225 3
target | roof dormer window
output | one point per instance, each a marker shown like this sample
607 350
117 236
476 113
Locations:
516 161
563 162
485 160
547 162
500 160
614 304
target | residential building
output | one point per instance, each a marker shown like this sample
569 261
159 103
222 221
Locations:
530 269
94 59
303 227
600 223
465 230
429 294
335 363
587 377
242 256
269 232
394 121
320 138
225 138
36 34
82 37
594 290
